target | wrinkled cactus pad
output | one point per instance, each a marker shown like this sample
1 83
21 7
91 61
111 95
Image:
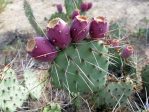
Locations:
12 95
83 67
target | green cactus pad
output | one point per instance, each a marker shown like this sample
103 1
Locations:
115 92
31 18
52 107
59 15
145 77
117 29
121 66
82 67
12 95
71 5
33 84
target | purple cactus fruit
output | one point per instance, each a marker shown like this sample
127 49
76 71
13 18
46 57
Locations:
41 49
89 5
75 13
59 8
79 28
115 43
58 33
108 41
98 27
84 7
127 51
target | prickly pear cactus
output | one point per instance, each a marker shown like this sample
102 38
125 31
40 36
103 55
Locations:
83 67
52 107
145 77
12 95
35 82
114 93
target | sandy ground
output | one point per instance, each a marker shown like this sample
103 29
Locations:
13 17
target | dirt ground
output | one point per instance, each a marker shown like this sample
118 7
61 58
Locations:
13 17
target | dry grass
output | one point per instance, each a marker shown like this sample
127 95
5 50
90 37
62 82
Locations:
3 4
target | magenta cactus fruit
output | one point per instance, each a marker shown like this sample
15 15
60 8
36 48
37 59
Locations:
115 42
59 8
98 27
127 51
75 13
41 49
108 41
85 6
79 28
58 33
89 5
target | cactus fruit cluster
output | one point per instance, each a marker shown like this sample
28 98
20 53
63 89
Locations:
60 35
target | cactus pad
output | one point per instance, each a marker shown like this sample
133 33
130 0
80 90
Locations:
115 92
119 66
35 82
52 107
60 15
145 77
71 5
12 95
82 67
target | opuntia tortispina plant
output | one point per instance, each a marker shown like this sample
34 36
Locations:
83 65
